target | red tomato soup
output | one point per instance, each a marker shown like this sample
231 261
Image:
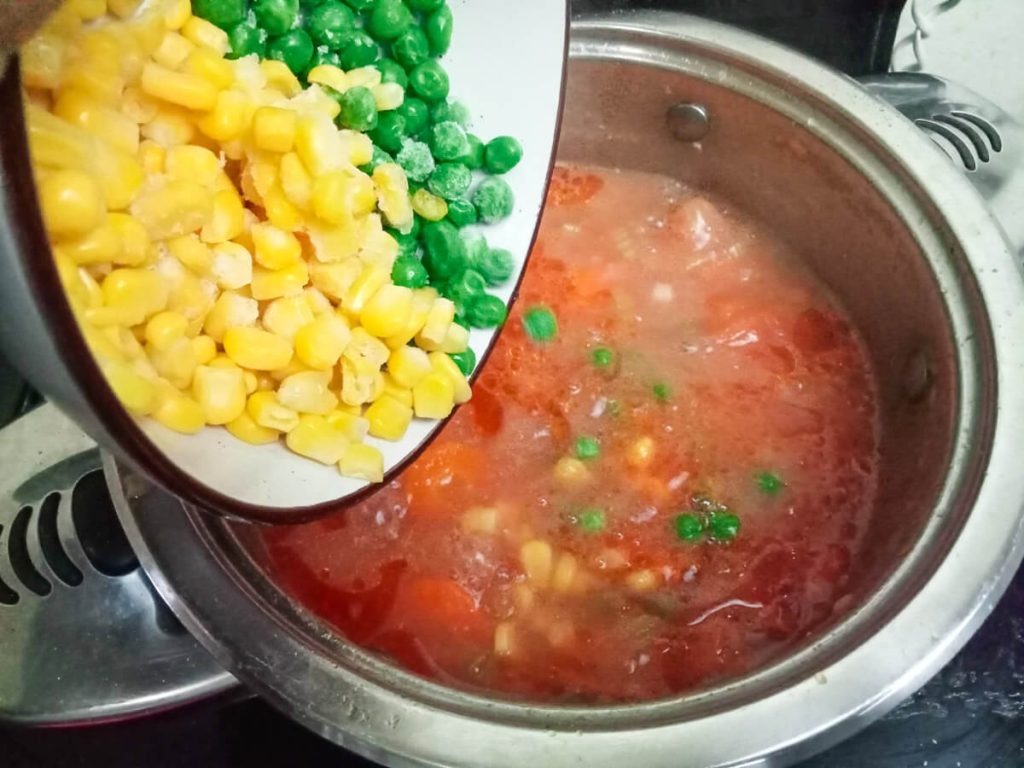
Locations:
665 491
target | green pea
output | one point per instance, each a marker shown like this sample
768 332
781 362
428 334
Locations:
450 181
276 16
415 159
466 360
293 48
502 154
592 519
602 357
450 112
661 391
332 24
411 48
486 312
429 81
688 527
379 158
445 255
769 482
493 199
587 448
321 56
415 113
308 4
391 72
474 158
461 213
246 39
540 323
448 141
438 27
390 131
408 244
358 109
409 272
359 5
425 6
468 285
476 249
724 527
495 264
224 13
361 50
389 19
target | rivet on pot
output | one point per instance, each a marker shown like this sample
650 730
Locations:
918 376
688 122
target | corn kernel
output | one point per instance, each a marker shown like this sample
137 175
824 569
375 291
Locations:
371 280
173 50
318 144
71 203
352 425
220 392
329 75
42 61
315 439
455 340
366 351
434 396
104 85
266 411
230 311
256 349
357 147
565 572
275 283
164 328
204 348
205 34
537 559
280 212
443 364
176 362
640 452
389 419
227 220
409 366
393 195
178 412
177 208
252 382
571 471
185 90
422 302
273 129
320 343
137 106
504 638
232 266
136 393
226 121
395 390
191 253
123 8
643 580
138 292
430 207
169 128
177 13
387 311
359 384
363 462
296 182
210 66
275 248
193 298
248 431
192 163
280 77
107 124
307 392
88 10
388 96
335 280
480 520
435 329
285 316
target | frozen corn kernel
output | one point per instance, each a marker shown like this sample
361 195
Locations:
177 411
267 411
227 119
430 207
133 240
277 283
388 96
387 311
571 471
256 349
329 75
192 163
248 431
164 328
435 328
227 220
229 311
232 266
409 366
185 90
177 208
363 462
220 392
104 122
537 559
321 343
434 396
177 13
350 424
71 202
314 438
307 392
296 183
455 340
335 280
640 452
193 254
443 364
566 568
287 315
370 280
365 350
280 77
205 34
360 383
480 520
318 144
389 419
139 292
643 580
273 129
204 348
136 393
274 248
210 66
422 302
173 50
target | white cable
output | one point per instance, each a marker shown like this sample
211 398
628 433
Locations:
923 13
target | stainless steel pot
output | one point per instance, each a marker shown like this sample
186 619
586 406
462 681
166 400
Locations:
911 250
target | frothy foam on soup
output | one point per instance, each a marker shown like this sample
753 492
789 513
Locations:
661 480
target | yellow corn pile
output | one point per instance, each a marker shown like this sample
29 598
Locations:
224 255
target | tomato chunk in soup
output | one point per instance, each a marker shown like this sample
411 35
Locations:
666 491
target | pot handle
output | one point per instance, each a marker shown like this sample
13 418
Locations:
72 595
979 137
855 36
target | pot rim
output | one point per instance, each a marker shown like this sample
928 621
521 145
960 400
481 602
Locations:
825 695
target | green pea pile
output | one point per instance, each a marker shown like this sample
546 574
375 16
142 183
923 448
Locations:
428 135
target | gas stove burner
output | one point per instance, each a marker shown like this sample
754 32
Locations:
85 636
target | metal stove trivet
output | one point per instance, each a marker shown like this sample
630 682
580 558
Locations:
84 637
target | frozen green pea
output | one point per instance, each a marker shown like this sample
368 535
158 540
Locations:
245 39
448 141
361 50
493 199
293 48
332 24
445 256
409 272
450 181
390 131
502 154
461 213
389 19
496 265
391 72
224 13
486 312
450 111
276 16
358 109
411 48
415 113
429 81
438 28
416 160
